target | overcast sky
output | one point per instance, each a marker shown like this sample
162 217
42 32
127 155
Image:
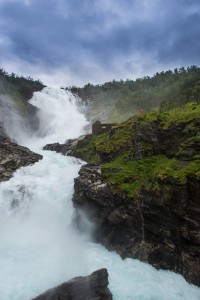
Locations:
68 42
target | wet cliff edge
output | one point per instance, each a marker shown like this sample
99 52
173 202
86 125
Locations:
141 189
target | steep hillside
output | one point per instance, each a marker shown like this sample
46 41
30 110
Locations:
117 100
15 92
16 113
141 188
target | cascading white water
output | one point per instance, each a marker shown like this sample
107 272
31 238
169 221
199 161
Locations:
38 246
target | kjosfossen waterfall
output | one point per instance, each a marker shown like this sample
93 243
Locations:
39 247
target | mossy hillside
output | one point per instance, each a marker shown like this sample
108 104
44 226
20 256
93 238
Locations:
114 150
115 101
107 145
85 149
117 141
188 113
149 173
189 149
121 138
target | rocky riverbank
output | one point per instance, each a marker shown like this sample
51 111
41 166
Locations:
161 228
142 189
92 287
14 156
15 110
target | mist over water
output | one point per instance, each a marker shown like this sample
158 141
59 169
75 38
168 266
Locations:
15 126
38 246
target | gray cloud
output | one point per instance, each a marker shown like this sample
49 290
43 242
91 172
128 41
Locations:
97 40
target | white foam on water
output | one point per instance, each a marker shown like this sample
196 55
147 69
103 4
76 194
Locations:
39 248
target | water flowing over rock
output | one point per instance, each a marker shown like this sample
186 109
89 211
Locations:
92 287
160 224
65 149
14 156
37 238
163 234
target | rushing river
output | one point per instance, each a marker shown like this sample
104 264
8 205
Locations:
39 248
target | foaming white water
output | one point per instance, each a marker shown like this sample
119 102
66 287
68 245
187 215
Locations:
58 115
38 247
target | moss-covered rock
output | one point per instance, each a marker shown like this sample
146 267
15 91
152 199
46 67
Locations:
145 197
141 188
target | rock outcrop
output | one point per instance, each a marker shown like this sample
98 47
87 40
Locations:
65 149
142 191
144 194
71 147
162 228
14 156
92 287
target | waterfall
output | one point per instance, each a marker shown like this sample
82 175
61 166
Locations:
39 248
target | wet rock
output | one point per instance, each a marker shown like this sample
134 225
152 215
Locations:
3 134
68 148
65 149
146 140
162 228
160 223
14 156
92 287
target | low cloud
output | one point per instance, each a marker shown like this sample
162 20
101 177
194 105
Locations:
74 41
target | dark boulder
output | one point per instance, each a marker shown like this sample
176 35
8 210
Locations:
14 156
65 149
92 287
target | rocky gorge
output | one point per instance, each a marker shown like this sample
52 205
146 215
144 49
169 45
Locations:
130 190
14 156
141 189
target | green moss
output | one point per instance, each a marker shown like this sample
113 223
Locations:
156 173
119 140
180 115
189 149
87 151
132 176
107 144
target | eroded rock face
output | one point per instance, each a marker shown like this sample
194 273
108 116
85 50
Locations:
162 228
68 148
116 222
92 287
65 149
160 224
14 156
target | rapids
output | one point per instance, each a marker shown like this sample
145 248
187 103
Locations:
38 246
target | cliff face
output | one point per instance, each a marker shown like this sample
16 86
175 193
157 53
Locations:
143 195
164 232
162 229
